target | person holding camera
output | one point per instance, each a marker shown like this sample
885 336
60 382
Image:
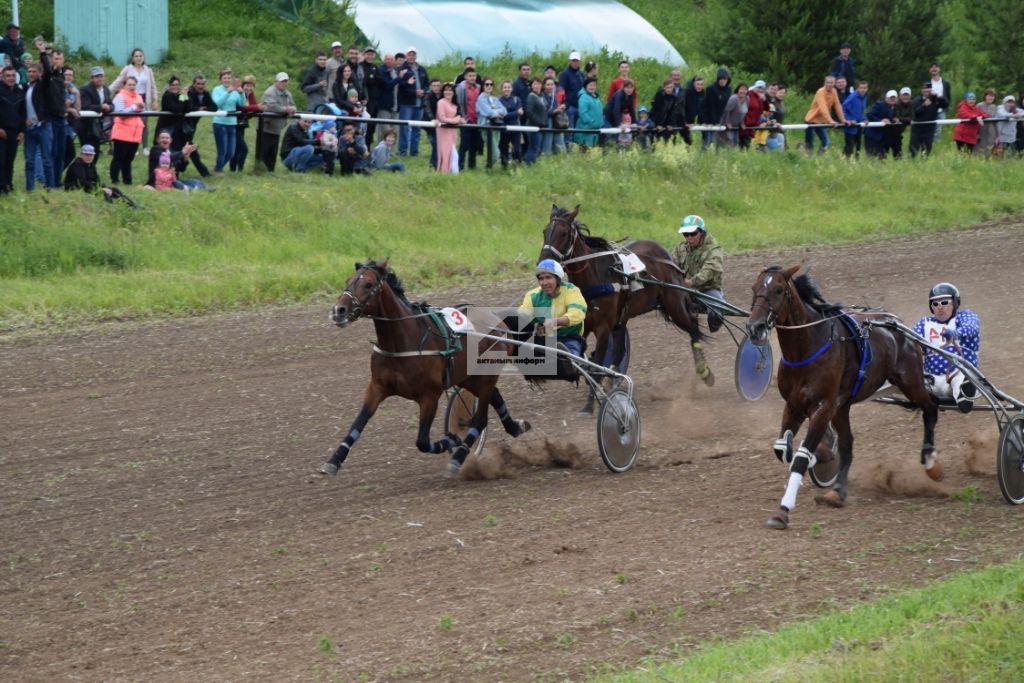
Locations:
926 111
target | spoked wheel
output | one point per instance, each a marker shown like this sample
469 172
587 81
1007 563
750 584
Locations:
754 366
462 404
824 474
1010 460
618 431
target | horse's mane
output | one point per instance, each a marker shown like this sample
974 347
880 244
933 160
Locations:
810 293
392 280
593 241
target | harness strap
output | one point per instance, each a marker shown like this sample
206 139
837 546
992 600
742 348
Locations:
585 257
406 354
800 363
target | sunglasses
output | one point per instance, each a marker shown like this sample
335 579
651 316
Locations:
488 83
941 302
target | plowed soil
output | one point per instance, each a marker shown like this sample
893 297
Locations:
163 519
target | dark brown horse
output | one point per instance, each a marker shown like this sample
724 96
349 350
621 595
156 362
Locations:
831 360
416 359
590 263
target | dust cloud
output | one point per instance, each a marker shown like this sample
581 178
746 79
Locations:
904 478
503 461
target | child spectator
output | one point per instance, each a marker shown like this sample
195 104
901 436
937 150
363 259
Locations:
625 131
380 159
644 128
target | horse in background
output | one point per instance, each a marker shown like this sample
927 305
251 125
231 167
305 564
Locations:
592 264
831 361
416 357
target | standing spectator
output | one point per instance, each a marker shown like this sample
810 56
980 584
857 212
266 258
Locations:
883 111
229 98
676 76
370 78
276 100
591 114
644 128
1007 129
756 106
733 116
199 99
972 120
926 110
12 125
854 107
989 134
13 46
570 81
127 131
621 103
300 153
693 105
355 59
620 81
95 97
412 87
387 89
843 89
175 103
145 87
73 106
490 111
380 158
249 109
825 102
536 115
665 111
509 147
467 64
715 102
56 102
38 128
334 63
521 88
843 65
470 143
552 142
343 83
430 114
314 83
904 116
447 115
940 88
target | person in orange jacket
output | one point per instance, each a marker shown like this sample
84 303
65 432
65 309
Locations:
824 103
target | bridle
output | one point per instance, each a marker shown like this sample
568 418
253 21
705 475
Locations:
574 235
358 306
761 300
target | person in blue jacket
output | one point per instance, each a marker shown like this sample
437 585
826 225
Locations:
883 111
853 109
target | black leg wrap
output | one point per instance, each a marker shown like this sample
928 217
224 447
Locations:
460 455
341 453
442 446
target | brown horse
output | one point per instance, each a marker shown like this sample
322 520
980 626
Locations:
416 359
831 360
591 262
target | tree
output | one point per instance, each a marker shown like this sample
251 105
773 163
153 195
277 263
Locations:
991 31
897 40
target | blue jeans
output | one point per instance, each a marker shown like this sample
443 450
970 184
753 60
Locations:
61 133
409 136
39 139
822 134
302 159
533 151
570 112
224 137
194 183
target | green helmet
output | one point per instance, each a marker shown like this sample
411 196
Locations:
692 224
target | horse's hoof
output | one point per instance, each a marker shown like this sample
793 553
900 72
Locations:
935 472
705 373
585 412
832 498
524 426
780 520
452 471
329 468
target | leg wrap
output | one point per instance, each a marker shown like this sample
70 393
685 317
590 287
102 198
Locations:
801 461
784 447
442 446
342 452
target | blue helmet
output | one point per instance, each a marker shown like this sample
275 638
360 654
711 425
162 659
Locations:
550 266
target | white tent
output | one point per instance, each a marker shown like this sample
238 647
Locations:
485 28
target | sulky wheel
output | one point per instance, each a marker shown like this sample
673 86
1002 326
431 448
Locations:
618 431
1010 460
462 404
754 366
824 474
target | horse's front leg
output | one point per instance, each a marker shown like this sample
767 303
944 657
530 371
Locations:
803 459
515 428
372 398
476 427
428 409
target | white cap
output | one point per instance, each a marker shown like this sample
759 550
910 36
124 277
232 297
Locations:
891 93
905 91
411 48
281 76
574 55
336 44
1009 98
757 84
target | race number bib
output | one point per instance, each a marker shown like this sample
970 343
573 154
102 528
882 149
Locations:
933 332
457 320
631 264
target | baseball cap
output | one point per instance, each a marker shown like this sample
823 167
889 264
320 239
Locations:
926 84
369 48
970 95
891 93
905 91
574 55
336 44
10 26
281 76
643 110
88 149
1009 98
757 84
96 71
843 45
411 48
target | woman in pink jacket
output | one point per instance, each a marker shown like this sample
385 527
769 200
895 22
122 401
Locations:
972 119
127 131
447 112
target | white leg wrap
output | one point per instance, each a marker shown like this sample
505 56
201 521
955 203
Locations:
789 500
929 460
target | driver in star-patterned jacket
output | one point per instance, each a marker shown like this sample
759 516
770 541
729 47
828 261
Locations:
957 331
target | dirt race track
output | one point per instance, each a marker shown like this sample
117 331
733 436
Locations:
163 519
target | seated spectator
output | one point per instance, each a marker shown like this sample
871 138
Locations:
82 175
380 160
165 177
353 157
300 153
163 143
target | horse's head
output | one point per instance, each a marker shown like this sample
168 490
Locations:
560 234
361 292
773 293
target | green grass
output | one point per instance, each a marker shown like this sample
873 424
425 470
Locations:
967 628
263 239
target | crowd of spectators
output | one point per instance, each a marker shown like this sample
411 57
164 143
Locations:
42 108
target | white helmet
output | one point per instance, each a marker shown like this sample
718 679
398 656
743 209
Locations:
550 266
